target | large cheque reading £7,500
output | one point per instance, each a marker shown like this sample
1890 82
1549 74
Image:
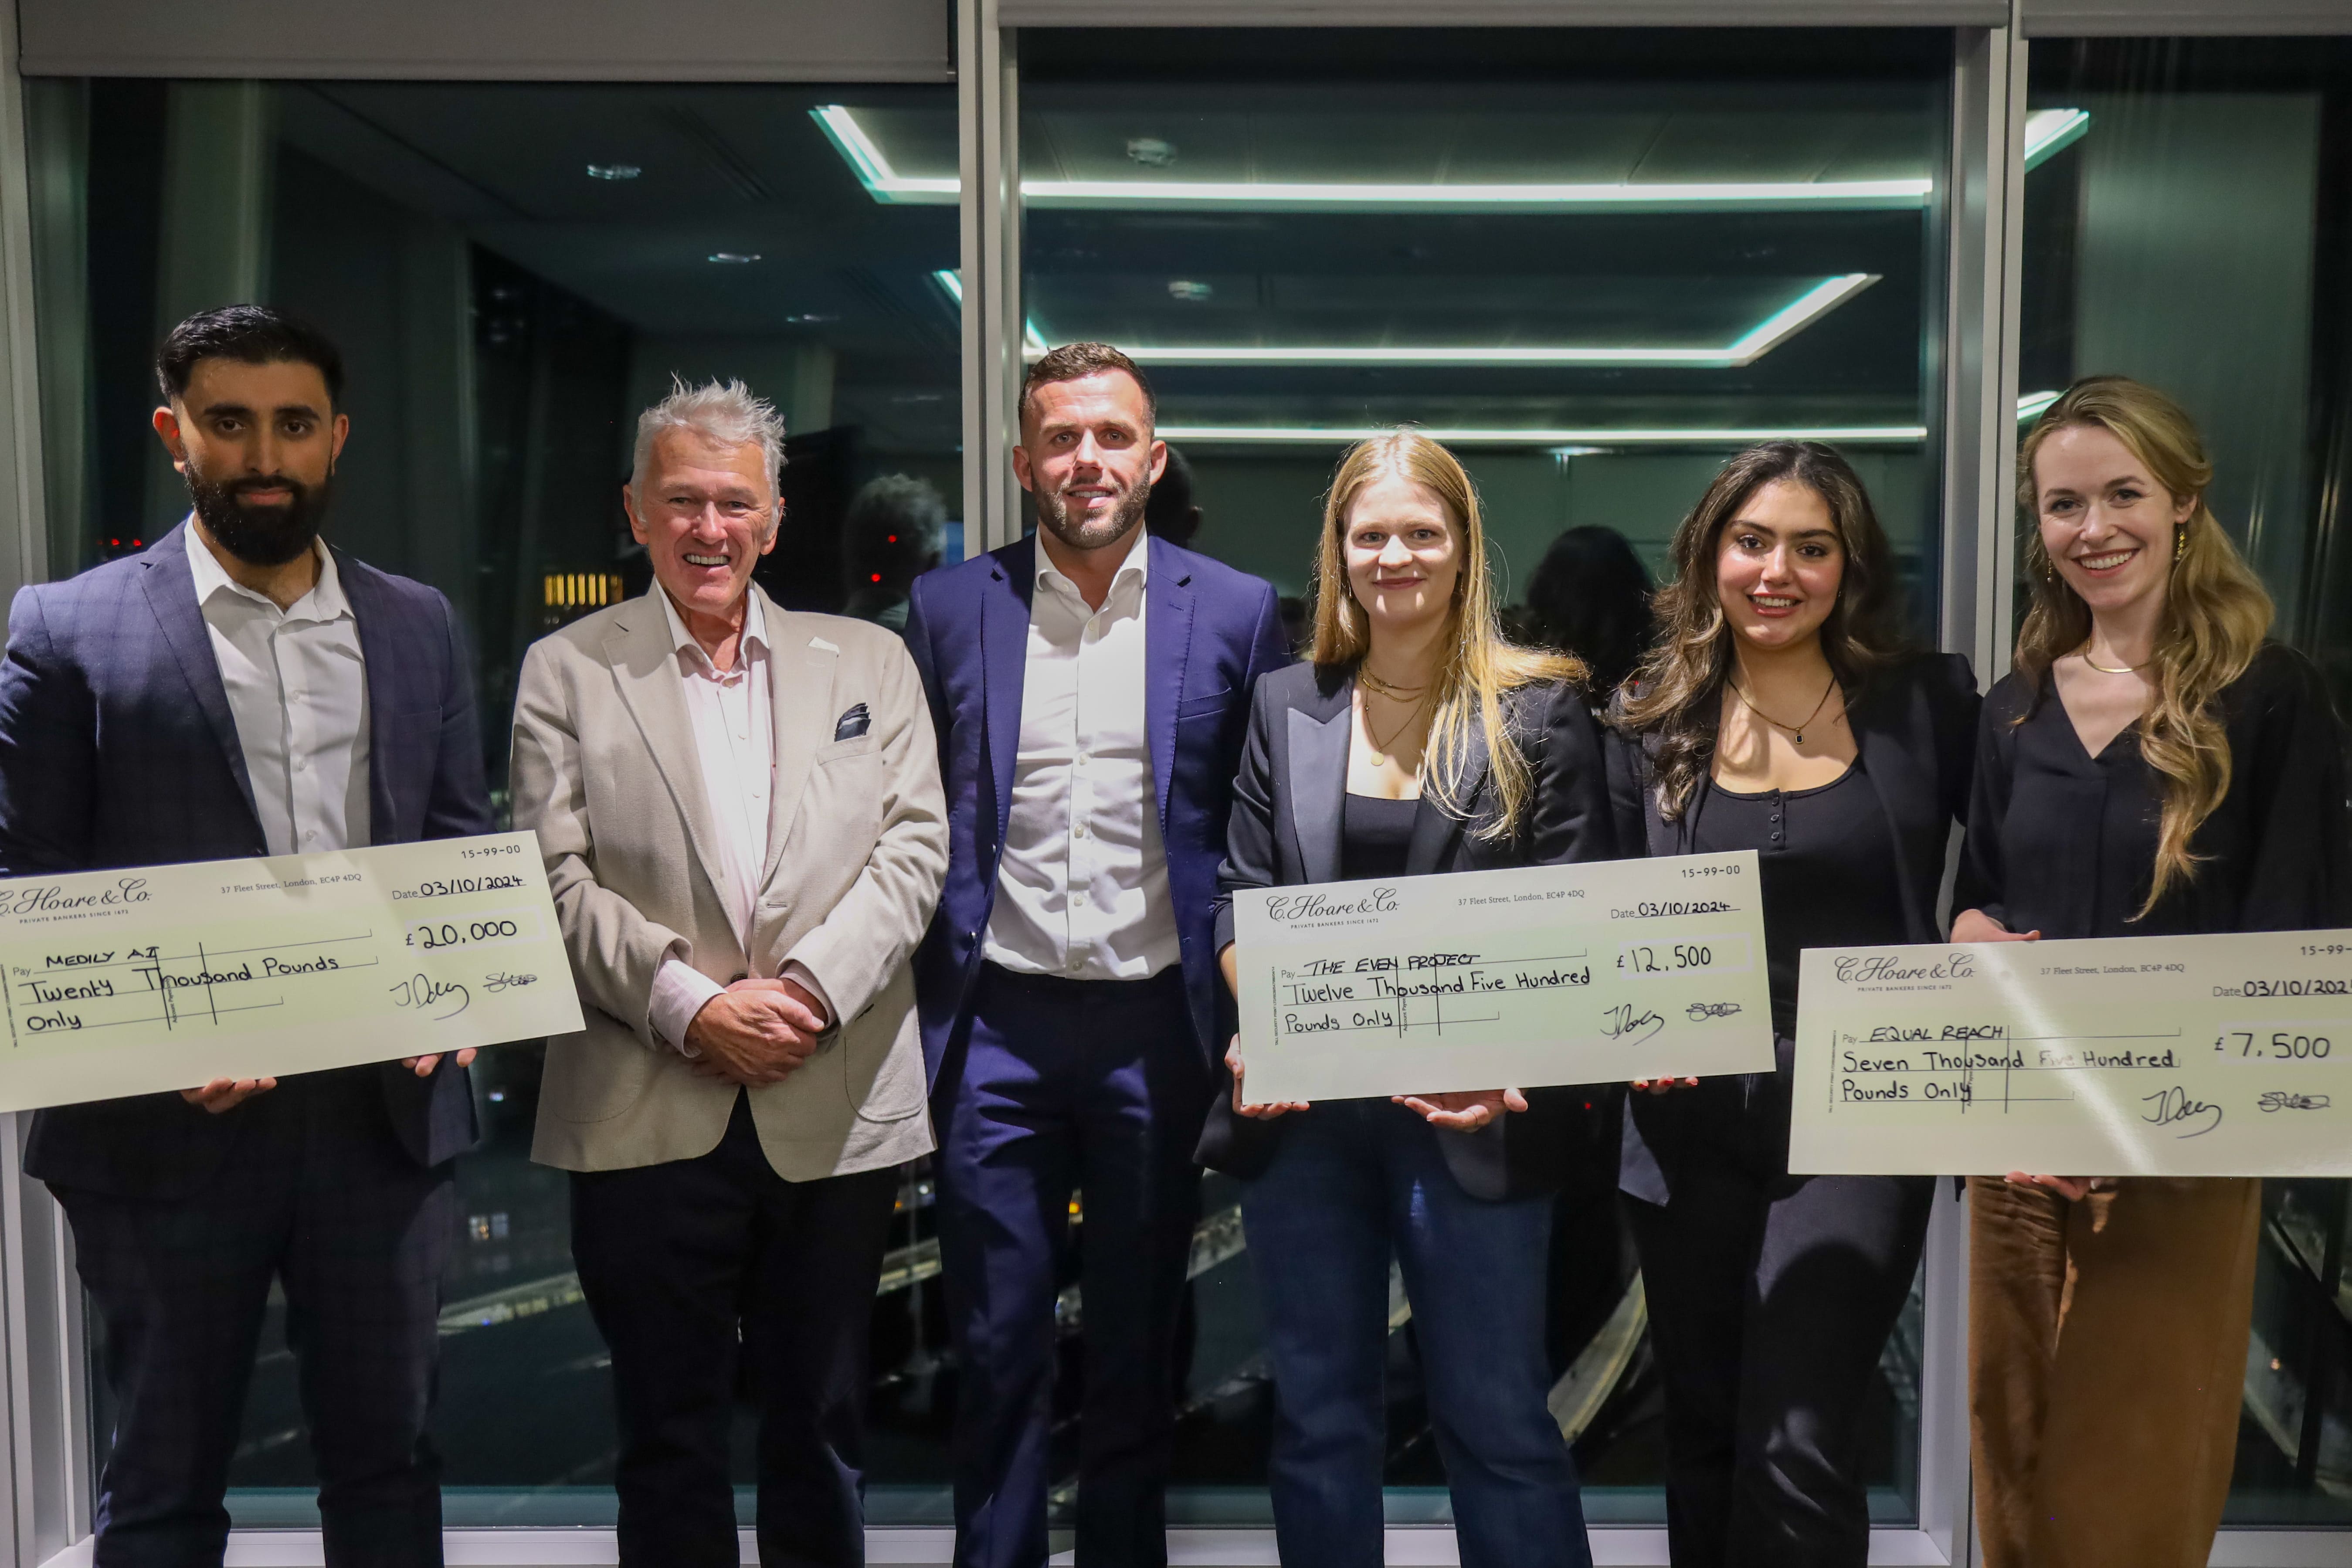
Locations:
130 981
1540 974
2157 1055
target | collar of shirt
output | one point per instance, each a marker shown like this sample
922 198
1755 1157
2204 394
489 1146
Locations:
1136 570
324 601
696 658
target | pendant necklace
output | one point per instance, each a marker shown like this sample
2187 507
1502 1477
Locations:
1382 749
1796 729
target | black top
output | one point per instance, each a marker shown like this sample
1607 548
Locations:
1820 854
2065 843
1914 724
1374 835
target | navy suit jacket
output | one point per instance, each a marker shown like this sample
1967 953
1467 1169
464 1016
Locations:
117 748
1209 633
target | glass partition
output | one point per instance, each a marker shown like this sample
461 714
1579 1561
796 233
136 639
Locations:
2189 222
512 272
1594 262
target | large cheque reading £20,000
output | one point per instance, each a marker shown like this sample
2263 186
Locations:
131 981
1480 980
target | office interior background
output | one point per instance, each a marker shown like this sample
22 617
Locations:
1596 247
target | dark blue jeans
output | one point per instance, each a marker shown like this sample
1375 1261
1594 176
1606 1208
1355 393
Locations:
1353 1183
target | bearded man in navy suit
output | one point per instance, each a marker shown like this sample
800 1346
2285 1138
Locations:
1091 686
240 689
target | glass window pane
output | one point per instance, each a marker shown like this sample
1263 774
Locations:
2187 213
1594 262
512 273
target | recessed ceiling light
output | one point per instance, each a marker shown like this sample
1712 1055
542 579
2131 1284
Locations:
735 257
613 171
2049 132
1306 435
1150 151
1759 340
811 318
1187 290
884 184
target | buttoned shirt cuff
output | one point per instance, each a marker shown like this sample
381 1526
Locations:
679 992
801 974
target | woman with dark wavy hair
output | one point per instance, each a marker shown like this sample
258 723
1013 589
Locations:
2153 766
1780 711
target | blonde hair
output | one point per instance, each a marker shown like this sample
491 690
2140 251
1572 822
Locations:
2216 613
1477 667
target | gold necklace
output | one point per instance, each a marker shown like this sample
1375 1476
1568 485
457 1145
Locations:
2107 669
1365 676
1796 729
1383 750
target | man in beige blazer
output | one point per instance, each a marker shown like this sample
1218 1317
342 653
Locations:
741 815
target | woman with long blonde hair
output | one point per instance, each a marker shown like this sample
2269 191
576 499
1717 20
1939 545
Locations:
2153 766
1781 712
1415 740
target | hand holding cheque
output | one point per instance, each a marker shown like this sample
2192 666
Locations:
1433 985
2203 1055
227 973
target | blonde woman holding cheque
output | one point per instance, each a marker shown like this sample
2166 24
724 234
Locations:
2152 766
1414 741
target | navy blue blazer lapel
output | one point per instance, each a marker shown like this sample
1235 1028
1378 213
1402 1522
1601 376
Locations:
1167 650
386 672
1004 665
1317 738
171 594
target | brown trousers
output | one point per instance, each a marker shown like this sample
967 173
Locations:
2107 1357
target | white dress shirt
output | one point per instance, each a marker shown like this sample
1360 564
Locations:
297 687
734 719
1082 891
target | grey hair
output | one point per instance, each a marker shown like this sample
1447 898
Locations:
723 413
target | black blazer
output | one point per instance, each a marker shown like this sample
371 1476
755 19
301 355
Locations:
1284 831
1915 725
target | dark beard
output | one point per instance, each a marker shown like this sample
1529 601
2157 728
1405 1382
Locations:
262 535
1078 535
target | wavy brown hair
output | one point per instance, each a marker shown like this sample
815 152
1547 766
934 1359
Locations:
1677 692
1478 665
2216 611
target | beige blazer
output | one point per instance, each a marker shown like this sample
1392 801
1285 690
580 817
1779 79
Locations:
605 772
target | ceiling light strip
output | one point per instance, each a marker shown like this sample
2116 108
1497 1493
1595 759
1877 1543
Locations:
2050 132
1752 346
884 184
1308 434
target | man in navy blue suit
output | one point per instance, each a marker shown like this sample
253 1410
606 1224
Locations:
240 689
1091 686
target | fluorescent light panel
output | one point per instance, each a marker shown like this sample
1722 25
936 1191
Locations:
1576 443
1749 347
2030 405
2049 132
1304 434
884 184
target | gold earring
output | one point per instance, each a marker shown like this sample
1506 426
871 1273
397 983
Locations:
2179 544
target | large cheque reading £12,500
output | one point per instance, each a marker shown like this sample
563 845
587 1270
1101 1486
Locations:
131 981
1472 980
2149 1056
